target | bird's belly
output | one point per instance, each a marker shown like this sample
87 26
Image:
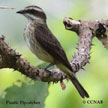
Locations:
36 48
41 53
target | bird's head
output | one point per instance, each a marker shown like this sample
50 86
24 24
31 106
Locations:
33 13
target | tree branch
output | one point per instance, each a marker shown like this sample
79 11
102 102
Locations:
9 58
86 30
6 7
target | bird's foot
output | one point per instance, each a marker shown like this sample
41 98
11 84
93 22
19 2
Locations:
50 65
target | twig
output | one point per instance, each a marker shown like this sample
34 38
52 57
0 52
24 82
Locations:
6 7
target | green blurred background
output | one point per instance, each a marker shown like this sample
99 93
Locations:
95 76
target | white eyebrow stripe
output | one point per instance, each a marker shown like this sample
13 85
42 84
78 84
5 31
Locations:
37 9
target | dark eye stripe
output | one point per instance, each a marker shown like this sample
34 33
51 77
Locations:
31 11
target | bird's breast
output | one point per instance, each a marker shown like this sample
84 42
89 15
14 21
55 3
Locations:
35 47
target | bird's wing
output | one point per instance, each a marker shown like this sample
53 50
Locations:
49 42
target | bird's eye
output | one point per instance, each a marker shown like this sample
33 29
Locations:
32 10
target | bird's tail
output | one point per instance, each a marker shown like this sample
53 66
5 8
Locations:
79 87
74 80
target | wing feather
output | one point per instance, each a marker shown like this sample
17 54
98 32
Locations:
49 42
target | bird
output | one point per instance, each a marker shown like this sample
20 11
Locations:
44 44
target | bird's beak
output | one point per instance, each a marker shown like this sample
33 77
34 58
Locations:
21 12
